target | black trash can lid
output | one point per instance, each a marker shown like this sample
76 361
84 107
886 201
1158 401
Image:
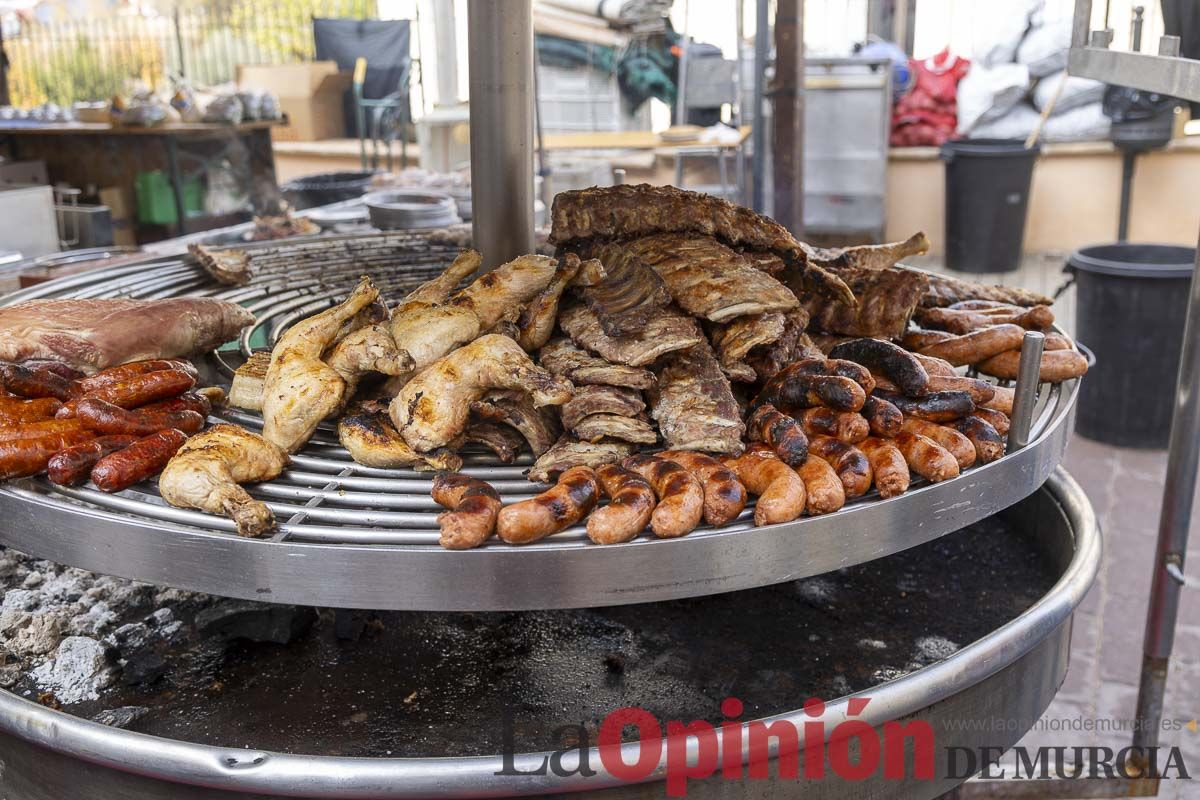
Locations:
1131 260
989 148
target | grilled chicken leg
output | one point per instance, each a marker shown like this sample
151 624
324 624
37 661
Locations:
368 434
539 317
369 349
301 389
434 407
206 471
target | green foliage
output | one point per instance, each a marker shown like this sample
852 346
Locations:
77 68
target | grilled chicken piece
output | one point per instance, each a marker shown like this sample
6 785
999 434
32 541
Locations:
537 321
207 471
93 334
694 404
562 357
369 349
597 427
367 432
517 410
568 452
709 280
667 330
589 400
230 266
248 381
867 256
503 441
734 341
626 299
886 298
433 407
301 389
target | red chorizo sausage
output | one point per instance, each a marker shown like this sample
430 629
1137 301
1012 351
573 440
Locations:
72 466
20 458
28 430
143 459
139 390
110 419
13 410
26 382
115 375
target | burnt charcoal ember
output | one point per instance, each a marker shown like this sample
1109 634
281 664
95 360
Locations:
138 653
255 622
121 717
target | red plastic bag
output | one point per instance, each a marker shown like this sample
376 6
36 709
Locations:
928 113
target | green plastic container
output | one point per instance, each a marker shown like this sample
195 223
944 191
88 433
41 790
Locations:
156 201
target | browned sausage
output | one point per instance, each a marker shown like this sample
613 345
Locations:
987 441
844 425
26 382
631 502
919 340
888 466
954 442
981 391
680 495
1037 318
473 507
57 367
997 419
115 375
27 430
14 410
139 390
926 457
935 407
1057 365
883 418
781 432
981 305
20 458
781 495
851 464
936 366
575 494
724 494
956 321
822 486
110 419
1003 400
72 466
1057 341
188 401
893 362
215 395
981 345
143 459
837 366
793 388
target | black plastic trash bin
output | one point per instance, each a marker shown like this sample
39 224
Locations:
987 195
1131 303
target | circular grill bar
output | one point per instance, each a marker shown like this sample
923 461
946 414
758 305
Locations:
356 536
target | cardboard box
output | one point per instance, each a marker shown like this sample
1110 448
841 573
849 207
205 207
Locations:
309 93
119 200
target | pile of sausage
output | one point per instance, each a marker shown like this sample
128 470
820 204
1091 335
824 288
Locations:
116 428
987 335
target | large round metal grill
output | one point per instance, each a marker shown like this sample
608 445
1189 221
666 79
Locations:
356 536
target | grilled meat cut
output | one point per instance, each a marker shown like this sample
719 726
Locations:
569 452
734 341
537 320
91 335
768 360
246 390
230 266
597 427
517 410
206 472
434 407
367 433
886 298
868 256
562 357
944 291
708 279
627 298
504 442
694 405
666 330
589 400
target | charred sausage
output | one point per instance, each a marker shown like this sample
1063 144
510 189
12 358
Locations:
72 466
780 490
935 407
473 506
936 366
987 441
888 466
926 457
919 340
837 366
893 362
20 458
851 464
724 494
844 425
782 433
1057 365
954 442
980 391
631 502
575 494
143 459
680 495
997 419
883 418
188 401
138 390
822 486
115 375
793 388
110 419
981 345
26 382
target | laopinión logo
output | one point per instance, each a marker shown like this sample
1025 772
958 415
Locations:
853 750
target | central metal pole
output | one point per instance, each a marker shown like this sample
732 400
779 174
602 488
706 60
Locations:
789 114
500 41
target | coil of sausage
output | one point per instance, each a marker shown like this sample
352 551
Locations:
680 495
926 457
472 510
782 433
954 442
575 494
631 502
887 465
852 466
780 490
724 494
